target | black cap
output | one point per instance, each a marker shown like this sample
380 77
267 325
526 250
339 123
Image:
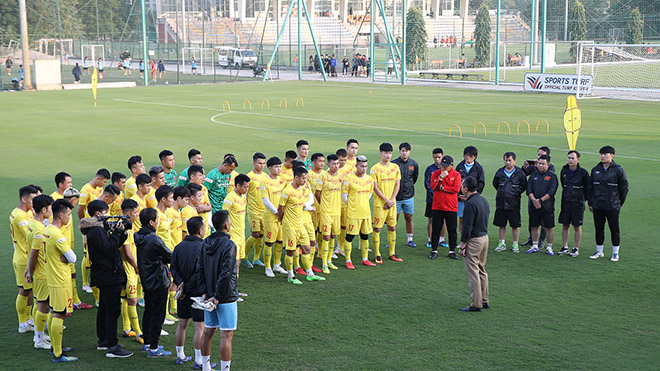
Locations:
446 160
386 147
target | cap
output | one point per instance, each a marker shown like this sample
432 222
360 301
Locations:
71 192
447 160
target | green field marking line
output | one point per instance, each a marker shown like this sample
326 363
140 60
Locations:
418 132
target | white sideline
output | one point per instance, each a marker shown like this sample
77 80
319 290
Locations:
419 132
100 85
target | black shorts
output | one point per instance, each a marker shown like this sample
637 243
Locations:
539 217
185 310
572 217
101 70
502 216
429 210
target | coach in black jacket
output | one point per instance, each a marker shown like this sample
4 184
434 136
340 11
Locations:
107 274
469 167
541 190
575 187
510 182
609 190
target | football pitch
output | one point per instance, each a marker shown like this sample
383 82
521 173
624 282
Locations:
548 312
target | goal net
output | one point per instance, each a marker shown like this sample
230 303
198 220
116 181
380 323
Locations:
200 58
621 71
92 53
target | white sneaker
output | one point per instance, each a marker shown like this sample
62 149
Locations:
279 269
614 258
549 251
163 332
239 300
30 321
25 328
168 322
269 273
242 294
87 289
574 253
596 255
43 344
334 256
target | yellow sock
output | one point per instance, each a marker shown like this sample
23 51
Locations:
375 237
49 321
348 246
248 246
319 241
133 316
258 246
125 319
40 320
56 335
296 258
307 261
288 262
74 292
342 238
139 290
268 254
21 308
167 305
85 273
173 302
34 309
364 247
325 248
391 239
277 253
95 292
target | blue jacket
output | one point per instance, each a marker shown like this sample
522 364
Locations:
427 182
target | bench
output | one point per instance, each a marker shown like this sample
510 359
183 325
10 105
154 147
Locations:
515 61
437 63
434 75
464 76
460 63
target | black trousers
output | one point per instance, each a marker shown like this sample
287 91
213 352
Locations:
155 302
440 217
612 217
107 314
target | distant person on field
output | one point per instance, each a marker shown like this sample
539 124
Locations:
86 66
161 69
510 183
76 73
575 187
141 68
9 62
100 67
344 66
154 73
193 65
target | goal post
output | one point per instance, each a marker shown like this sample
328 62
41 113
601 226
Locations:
203 58
621 71
93 53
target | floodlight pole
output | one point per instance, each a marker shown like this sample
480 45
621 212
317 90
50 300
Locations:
404 68
27 82
299 43
144 43
371 41
543 33
497 43
532 34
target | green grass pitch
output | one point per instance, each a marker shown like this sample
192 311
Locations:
547 312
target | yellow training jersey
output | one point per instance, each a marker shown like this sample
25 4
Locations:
68 228
163 231
206 215
186 213
232 181
142 203
236 205
115 207
351 164
292 199
131 187
18 226
330 187
312 180
176 227
130 241
358 190
58 274
35 242
255 204
88 193
150 198
386 178
287 174
271 188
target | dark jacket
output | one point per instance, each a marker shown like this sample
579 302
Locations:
540 185
184 263
409 174
153 257
476 172
575 188
609 187
104 253
216 268
530 169
427 182
475 217
509 189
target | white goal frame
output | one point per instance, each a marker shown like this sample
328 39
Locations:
94 54
202 63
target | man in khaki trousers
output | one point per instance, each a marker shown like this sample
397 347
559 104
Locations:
474 244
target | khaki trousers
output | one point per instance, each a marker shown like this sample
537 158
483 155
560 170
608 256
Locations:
476 253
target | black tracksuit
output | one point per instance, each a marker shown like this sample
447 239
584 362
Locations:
216 268
609 188
409 174
477 172
509 189
541 184
183 267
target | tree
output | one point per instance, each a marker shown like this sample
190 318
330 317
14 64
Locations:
482 36
415 37
635 28
577 26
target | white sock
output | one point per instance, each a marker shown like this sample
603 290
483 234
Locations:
38 336
291 275
599 248
348 261
548 246
309 272
535 244
206 363
198 356
502 242
615 249
442 239
180 353
410 237
429 240
225 365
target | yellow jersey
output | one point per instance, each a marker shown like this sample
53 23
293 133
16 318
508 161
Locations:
163 231
271 188
130 241
255 204
18 227
58 274
115 206
186 213
142 203
131 187
232 181
386 178
292 199
307 190
330 187
206 215
351 163
286 174
312 180
176 227
359 190
236 205
68 228
150 198
89 194
35 242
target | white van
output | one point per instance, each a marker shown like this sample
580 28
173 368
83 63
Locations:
236 57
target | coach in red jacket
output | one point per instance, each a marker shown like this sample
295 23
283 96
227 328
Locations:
445 183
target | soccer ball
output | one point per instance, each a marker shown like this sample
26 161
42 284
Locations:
167 83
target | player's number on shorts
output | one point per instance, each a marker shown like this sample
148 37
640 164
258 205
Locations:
70 301
131 289
290 243
376 220
350 227
325 228
268 234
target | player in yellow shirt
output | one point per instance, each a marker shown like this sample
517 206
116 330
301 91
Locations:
58 255
316 171
136 167
344 171
18 226
292 201
255 211
157 175
287 166
130 321
143 185
309 214
190 210
165 197
388 178
197 176
118 180
35 272
235 203
356 192
328 196
271 187
352 146
181 197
